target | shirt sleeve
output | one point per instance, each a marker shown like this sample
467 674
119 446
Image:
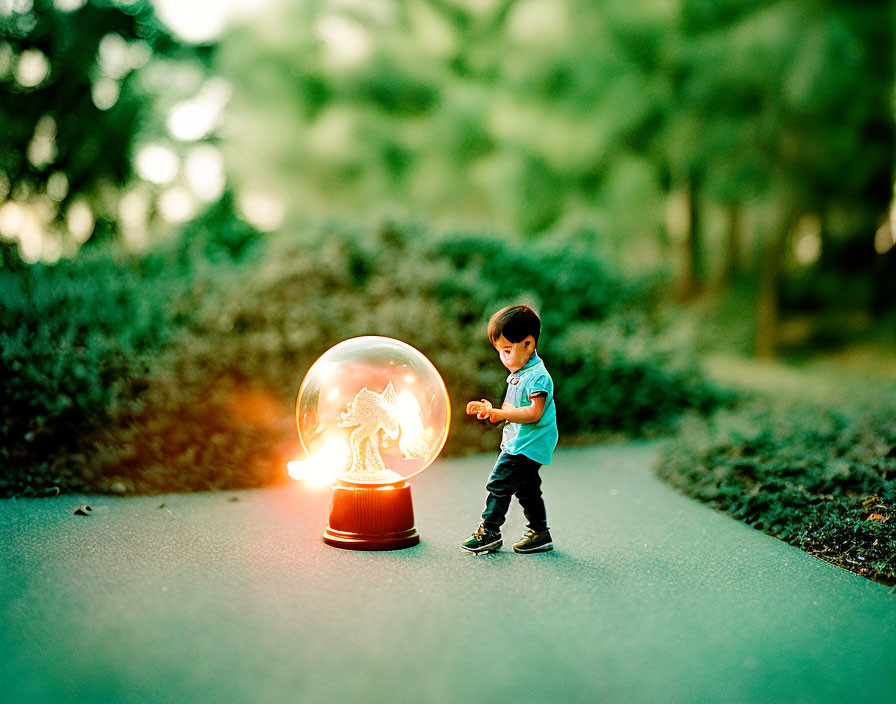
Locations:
540 384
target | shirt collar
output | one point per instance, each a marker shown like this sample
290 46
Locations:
533 360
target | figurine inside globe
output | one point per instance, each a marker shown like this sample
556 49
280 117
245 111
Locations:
372 410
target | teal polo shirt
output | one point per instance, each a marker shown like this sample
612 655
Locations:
534 440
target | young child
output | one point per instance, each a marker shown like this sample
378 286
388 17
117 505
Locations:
530 434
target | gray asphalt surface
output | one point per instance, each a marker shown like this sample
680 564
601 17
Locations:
649 597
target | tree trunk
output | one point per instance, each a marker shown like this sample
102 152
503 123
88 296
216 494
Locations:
733 264
691 283
771 268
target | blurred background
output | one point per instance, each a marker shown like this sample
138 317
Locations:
197 198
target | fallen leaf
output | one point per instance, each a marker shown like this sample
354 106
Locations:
82 510
876 517
869 500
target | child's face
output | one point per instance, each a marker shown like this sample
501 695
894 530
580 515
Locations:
514 355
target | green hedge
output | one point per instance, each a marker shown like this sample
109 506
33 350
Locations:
191 356
80 346
823 480
601 337
76 338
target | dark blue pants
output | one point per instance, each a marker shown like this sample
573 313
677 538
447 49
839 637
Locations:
514 475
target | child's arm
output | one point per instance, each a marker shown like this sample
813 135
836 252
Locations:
527 414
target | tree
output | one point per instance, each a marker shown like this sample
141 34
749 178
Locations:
71 107
796 115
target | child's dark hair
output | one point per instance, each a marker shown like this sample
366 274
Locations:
515 323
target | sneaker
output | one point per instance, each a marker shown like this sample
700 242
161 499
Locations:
534 541
483 540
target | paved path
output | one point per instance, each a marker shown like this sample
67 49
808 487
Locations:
649 597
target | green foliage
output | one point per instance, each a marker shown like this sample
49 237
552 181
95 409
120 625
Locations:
528 117
80 345
307 293
822 480
89 145
599 336
75 339
392 88
178 369
217 236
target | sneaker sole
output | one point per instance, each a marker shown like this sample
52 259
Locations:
547 547
491 547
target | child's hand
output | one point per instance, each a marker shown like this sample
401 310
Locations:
496 415
480 408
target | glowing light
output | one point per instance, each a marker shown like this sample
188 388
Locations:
42 147
12 218
26 222
807 244
21 7
201 21
139 54
884 238
322 468
114 56
105 93
177 204
205 172
346 42
351 436
157 164
133 216
262 210
44 208
193 119
69 5
30 236
30 244
32 68
51 249
197 21
414 438
57 186
360 391
80 221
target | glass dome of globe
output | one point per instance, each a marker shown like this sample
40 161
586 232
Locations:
372 410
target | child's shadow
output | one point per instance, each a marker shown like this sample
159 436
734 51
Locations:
505 555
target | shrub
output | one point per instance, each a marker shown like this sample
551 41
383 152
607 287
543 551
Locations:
75 339
613 368
80 349
822 480
246 320
255 332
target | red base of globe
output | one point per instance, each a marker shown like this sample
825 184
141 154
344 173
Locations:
371 517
